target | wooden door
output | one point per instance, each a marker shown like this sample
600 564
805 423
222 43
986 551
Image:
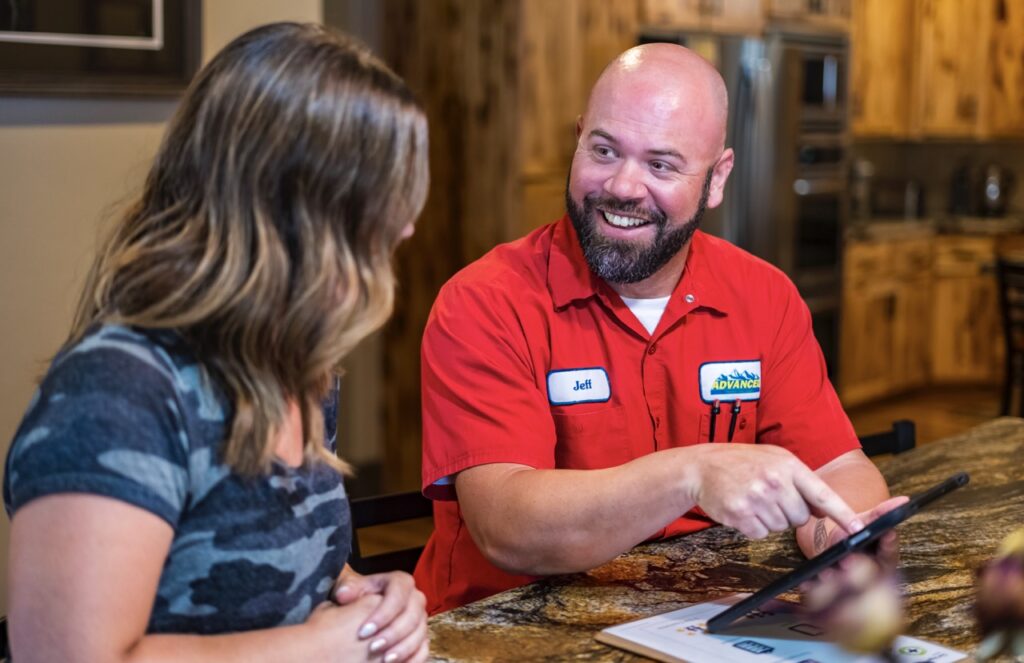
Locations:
1003 82
868 342
881 50
950 58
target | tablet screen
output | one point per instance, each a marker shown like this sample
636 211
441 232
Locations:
853 543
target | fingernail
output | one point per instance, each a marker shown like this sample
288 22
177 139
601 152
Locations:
391 658
342 590
856 525
368 629
377 645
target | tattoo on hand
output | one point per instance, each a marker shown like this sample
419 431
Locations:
820 536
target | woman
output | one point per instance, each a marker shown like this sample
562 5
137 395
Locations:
171 492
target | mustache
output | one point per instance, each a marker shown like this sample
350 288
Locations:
625 208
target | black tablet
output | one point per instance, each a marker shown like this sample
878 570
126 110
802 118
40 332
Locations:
854 543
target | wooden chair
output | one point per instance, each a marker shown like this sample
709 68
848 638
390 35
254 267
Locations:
1010 276
383 510
902 437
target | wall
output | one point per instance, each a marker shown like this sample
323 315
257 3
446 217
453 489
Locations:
66 167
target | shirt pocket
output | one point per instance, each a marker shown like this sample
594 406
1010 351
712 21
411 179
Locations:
591 439
746 423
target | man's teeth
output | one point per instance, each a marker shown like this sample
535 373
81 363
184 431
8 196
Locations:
623 221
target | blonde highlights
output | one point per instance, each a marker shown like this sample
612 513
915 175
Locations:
266 227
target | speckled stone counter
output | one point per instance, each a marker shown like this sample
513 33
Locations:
556 618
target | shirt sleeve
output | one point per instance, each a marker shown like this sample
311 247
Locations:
799 407
482 399
106 421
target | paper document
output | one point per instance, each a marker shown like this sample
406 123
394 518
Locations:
773 634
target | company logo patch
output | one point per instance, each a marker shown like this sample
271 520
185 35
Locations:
730 380
578 385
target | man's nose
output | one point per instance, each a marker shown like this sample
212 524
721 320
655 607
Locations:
626 183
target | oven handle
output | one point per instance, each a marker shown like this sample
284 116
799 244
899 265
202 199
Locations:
816 187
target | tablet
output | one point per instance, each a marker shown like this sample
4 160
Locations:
854 543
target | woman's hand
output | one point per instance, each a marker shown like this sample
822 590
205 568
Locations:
397 628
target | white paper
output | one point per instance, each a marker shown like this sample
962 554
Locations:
773 634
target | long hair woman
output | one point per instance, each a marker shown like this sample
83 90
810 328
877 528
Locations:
171 490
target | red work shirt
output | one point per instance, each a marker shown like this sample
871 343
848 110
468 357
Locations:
530 358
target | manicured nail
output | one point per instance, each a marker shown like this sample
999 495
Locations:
368 629
391 658
377 645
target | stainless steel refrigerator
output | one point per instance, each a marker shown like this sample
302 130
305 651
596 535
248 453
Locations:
786 199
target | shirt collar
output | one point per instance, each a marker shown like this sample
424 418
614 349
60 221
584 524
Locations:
570 278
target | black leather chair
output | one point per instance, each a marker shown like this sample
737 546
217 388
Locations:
1010 275
902 437
384 510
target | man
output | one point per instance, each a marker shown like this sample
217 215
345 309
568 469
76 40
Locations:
581 385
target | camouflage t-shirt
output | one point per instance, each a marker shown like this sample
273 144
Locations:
128 414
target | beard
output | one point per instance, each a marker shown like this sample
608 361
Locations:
622 261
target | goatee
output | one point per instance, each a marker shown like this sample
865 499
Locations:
623 261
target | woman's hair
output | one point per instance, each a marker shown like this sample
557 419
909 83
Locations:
265 229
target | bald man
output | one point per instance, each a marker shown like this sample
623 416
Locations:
618 375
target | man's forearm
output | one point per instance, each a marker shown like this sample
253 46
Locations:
857 481
562 521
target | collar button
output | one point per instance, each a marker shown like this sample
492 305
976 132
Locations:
689 298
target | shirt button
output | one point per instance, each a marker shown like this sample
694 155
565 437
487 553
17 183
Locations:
689 298
651 350
743 424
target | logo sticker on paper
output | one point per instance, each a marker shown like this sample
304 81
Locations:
730 381
578 385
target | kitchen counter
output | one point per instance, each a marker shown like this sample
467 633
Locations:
556 618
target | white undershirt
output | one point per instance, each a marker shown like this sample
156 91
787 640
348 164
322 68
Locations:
647 311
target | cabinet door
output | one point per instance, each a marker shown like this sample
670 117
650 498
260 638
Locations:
1003 93
867 343
912 334
675 14
735 16
881 55
950 48
966 343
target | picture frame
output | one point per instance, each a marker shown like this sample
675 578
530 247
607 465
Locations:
99 47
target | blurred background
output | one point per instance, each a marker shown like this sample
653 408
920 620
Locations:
878 156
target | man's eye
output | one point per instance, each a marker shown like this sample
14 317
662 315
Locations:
603 151
660 166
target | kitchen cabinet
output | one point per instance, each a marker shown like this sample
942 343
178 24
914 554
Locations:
719 16
966 333
937 68
1003 82
884 338
834 14
880 57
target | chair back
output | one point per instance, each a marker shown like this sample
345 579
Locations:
1010 275
384 510
902 437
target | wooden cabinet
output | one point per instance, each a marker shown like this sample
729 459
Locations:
937 68
949 60
880 69
884 339
721 16
1002 111
834 14
966 333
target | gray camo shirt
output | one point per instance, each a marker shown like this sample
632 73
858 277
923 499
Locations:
128 414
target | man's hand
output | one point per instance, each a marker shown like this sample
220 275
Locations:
397 628
827 534
758 489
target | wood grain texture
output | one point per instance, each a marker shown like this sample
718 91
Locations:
1003 98
881 53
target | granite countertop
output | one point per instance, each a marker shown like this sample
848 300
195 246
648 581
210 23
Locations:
556 618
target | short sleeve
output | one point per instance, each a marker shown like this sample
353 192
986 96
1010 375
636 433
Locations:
106 421
481 399
799 406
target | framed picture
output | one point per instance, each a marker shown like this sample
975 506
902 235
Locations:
119 47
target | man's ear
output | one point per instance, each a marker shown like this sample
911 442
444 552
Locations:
718 177
579 126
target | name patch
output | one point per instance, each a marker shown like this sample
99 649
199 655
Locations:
730 380
578 385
